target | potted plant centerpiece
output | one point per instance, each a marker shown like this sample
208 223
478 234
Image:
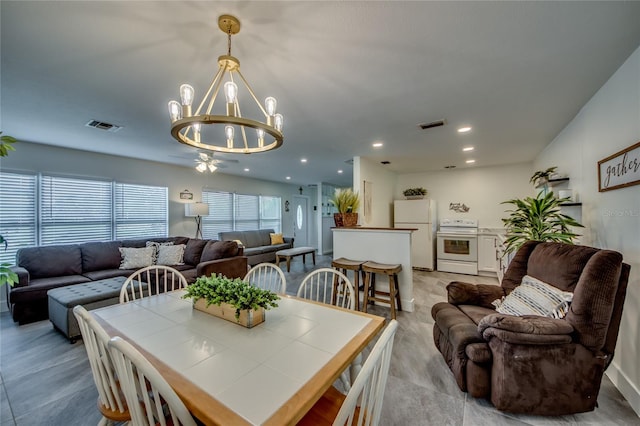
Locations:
234 300
347 203
414 193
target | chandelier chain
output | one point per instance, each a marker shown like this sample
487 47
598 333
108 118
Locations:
229 41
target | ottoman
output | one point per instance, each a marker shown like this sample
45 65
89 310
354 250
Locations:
93 295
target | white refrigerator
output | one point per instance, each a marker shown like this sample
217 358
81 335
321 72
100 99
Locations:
421 215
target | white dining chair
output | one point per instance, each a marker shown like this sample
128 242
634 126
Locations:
111 402
267 276
152 400
328 286
363 403
151 280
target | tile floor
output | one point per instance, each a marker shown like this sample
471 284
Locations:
46 381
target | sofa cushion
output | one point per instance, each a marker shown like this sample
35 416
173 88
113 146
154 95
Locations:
100 255
108 273
219 250
170 255
134 258
38 288
156 245
476 313
51 261
193 251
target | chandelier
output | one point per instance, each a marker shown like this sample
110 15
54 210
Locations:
230 131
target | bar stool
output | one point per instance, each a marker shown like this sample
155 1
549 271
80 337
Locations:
371 269
343 265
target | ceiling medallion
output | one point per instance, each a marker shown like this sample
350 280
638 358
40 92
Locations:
204 129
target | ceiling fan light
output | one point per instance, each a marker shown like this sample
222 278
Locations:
212 167
201 167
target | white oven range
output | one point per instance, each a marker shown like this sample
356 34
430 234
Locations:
457 246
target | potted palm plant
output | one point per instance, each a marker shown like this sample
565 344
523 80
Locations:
538 219
7 276
347 202
234 300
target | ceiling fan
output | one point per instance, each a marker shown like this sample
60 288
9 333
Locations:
205 161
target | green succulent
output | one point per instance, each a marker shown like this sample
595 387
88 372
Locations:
538 219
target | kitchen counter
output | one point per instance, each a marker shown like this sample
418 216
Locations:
382 245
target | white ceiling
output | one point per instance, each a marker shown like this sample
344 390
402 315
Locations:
345 74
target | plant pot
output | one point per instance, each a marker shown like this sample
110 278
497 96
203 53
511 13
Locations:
345 219
414 197
248 317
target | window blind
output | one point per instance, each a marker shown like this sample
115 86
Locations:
270 213
74 210
140 211
220 218
17 213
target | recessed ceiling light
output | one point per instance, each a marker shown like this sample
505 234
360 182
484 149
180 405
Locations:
468 148
288 178
340 171
464 129
470 161
246 170
377 144
303 160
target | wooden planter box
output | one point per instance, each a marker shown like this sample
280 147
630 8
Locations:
248 318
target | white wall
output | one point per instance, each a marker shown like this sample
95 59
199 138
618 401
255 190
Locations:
482 189
609 122
70 162
383 183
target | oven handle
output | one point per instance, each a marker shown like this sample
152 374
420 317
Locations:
453 235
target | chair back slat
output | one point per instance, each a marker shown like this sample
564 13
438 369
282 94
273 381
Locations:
151 398
328 286
267 276
149 279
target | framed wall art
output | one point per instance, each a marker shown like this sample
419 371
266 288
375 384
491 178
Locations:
620 170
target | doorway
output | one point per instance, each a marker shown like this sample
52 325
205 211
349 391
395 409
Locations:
301 220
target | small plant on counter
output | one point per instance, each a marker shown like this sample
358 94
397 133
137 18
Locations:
219 289
6 143
346 200
412 192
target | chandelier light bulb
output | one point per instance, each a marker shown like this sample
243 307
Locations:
228 130
231 91
201 167
270 105
260 138
278 122
196 131
186 94
175 111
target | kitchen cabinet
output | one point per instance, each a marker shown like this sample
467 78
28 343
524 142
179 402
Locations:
488 260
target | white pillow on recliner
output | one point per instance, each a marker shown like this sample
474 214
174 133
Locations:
534 297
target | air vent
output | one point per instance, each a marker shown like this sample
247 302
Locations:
103 126
449 167
349 161
437 123
385 162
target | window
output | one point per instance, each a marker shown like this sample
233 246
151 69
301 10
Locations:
141 211
44 210
17 213
240 212
74 210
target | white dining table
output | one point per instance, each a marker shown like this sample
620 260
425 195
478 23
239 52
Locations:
226 374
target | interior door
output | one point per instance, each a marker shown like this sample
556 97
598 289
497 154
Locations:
300 220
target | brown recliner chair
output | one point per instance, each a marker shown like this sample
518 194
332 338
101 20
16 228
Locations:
533 364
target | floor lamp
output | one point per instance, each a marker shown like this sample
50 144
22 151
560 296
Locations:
197 210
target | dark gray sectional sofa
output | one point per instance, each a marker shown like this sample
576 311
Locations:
41 269
257 244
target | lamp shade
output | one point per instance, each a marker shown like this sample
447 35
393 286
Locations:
196 209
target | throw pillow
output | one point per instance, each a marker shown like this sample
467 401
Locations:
239 243
276 239
534 297
155 246
135 258
170 255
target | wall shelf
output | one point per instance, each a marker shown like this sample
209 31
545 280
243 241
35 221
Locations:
554 182
570 204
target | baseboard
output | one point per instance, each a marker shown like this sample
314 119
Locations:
625 386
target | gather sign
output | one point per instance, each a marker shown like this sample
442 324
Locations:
620 169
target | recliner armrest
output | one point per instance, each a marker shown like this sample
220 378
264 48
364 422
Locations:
461 293
23 276
528 329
